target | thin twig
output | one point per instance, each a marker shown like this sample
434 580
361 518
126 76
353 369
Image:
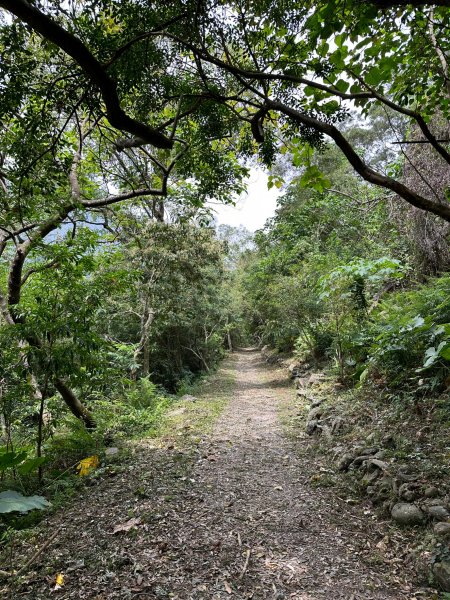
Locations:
244 569
37 554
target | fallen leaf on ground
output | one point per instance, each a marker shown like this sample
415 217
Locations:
227 587
131 524
59 582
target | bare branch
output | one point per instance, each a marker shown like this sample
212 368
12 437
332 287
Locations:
410 113
39 269
121 197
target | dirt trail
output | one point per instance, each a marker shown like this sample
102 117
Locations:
245 522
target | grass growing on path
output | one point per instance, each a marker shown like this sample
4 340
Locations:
188 420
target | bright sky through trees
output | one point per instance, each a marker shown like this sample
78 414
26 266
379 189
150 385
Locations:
254 207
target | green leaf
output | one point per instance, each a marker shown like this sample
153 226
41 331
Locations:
341 85
11 501
374 76
31 465
313 178
11 459
339 39
444 351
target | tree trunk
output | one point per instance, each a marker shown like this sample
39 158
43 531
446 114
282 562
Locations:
145 360
142 349
230 344
74 404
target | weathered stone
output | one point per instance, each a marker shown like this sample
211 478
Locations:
111 451
442 529
369 478
188 398
437 512
382 492
368 451
431 492
294 370
441 572
316 378
315 413
311 426
410 495
326 431
374 463
380 455
337 424
389 442
345 461
359 461
407 514
403 475
408 491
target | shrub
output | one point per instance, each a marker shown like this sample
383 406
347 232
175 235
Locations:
411 334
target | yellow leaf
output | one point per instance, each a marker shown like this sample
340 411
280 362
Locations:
88 464
59 581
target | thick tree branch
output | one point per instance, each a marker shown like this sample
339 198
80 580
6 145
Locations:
370 93
23 249
261 76
74 404
39 269
121 197
72 46
366 172
123 143
409 113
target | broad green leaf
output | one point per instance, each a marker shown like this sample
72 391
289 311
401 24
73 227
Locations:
12 501
374 76
342 85
31 465
11 459
444 351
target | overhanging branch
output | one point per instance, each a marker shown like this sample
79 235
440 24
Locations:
72 46
366 172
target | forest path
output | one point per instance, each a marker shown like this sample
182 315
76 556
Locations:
235 516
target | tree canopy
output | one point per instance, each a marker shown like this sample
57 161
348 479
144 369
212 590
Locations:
236 77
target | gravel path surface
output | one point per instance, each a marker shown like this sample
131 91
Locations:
236 516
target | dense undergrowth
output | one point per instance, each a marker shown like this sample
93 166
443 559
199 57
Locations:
329 281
